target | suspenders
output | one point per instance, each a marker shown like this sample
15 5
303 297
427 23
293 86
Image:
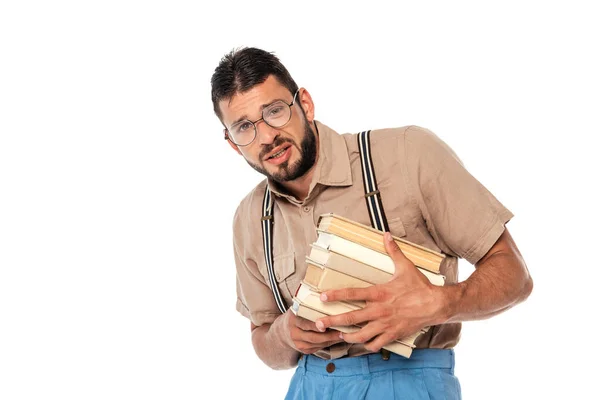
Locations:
374 205
372 196
267 231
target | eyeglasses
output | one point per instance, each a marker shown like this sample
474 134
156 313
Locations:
276 115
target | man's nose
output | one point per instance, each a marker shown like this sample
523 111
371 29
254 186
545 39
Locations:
266 134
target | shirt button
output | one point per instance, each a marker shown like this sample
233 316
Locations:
330 367
306 209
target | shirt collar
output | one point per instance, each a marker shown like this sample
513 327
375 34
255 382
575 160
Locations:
333 164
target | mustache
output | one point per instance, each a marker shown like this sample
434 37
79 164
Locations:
277 142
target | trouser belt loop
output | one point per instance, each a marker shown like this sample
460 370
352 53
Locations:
302 363
366 370
385 354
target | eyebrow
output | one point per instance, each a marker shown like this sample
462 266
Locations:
262 107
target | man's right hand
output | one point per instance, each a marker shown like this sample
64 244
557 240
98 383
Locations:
277 344
305 337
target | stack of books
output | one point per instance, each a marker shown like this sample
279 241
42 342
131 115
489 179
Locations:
348 254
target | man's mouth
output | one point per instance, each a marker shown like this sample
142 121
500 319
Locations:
279 153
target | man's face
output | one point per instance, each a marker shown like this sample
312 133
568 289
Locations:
285 153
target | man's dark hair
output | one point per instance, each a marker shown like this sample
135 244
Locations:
244 68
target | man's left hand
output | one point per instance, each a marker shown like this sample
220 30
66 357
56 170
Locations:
394 310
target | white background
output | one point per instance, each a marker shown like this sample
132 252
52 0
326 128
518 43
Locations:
117 190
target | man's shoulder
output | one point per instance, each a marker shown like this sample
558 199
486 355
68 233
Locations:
250 207
398 132
388 138
390 134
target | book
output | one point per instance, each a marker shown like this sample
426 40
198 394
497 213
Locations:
352 231
306 304
322 278
308 313
347 254
375 268
310 297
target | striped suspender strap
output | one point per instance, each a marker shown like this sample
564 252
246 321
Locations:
372 196
267 231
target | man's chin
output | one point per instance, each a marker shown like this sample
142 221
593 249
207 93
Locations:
281 171
280 176
283 174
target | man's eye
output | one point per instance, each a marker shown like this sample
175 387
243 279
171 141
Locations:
275 111
244 127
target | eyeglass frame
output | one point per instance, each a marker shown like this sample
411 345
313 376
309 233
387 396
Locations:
226 130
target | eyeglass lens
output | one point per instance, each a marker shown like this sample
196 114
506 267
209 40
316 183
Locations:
276 115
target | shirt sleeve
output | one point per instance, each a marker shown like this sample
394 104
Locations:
463 217
255 300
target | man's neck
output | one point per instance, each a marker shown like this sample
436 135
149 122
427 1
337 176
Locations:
299 187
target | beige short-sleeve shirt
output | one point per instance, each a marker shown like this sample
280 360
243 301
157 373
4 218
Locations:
428 196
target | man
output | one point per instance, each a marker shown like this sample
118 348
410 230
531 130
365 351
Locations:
428 197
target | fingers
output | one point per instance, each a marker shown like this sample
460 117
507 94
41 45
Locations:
305 324
306 339
376 344
394 251
371 293
349 318
368 332
320 338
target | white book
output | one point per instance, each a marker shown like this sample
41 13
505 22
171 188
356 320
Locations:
362 254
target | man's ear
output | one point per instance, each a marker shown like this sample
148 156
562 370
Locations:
233 146
305 101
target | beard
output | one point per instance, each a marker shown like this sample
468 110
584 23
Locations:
289 172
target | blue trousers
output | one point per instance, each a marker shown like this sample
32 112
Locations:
428 374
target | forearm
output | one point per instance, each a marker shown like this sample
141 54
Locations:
499 283
272 347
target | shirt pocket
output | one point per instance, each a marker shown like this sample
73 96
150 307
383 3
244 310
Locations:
284 267
285 274
397 227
